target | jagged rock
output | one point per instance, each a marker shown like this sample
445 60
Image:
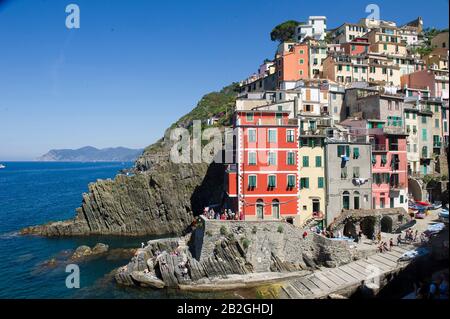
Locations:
147 279
100 249
82 252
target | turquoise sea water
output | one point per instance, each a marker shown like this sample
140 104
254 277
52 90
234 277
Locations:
33 193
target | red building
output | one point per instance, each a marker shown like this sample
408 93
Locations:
262 185
357 46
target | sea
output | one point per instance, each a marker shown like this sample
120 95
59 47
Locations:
32 267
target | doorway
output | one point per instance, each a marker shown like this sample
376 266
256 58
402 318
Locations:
276 209
260 209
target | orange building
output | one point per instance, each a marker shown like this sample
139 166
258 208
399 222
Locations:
357 46
262 185
292 62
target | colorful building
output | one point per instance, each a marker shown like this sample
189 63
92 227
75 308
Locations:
389 162
263 183
292 62
311 155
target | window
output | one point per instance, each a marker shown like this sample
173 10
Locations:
252 135
318 161
383 160
301 52
424 120
251 181
385 47
339 67
301 61
356 152
320 182
304 182
355 172
384 71
291 181
355 69
402 199
250 117
436 123
436 108
348 68
290 136
272 158
272 181
272 135
356 200
251 158
290 158
305 161
343 150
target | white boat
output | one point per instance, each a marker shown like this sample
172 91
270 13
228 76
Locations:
2 166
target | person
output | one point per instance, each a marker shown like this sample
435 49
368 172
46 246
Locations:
385 246
379 237
443 287
433 290
305 234
142 245
421 292
399 239
360 234
415 235
391 243
380 247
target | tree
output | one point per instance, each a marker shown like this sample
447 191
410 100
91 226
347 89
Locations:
284 31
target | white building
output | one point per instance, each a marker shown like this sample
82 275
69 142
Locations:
315 28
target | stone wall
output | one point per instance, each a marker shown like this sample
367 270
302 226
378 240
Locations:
272 243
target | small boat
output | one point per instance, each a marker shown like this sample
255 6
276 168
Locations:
436 205
2 166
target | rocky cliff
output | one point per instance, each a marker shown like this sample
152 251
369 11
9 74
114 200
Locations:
160 197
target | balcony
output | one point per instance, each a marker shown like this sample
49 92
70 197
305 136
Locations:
313 132
397 186
379 148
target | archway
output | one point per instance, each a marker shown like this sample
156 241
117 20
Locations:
386 224
350 229
415 189
260 209
368 226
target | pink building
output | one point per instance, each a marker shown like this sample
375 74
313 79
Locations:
389 162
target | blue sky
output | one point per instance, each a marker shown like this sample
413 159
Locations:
134 67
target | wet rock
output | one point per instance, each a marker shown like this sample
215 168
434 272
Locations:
100 249
81 252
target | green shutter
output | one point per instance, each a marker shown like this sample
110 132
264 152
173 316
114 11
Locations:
305 161
318 161
320 182
272 181
355 152
252 181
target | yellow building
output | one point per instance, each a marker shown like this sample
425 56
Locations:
311 164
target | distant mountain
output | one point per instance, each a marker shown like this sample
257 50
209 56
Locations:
92 154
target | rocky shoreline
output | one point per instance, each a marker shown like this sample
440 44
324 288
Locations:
225 255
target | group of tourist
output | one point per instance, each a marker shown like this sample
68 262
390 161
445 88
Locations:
224 214
436 289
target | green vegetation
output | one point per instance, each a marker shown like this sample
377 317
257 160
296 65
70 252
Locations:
215 104
426 48
223 231
280 229
284 31
245 242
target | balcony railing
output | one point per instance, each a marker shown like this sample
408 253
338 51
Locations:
379 147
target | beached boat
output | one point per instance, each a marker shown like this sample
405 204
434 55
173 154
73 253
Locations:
2 166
